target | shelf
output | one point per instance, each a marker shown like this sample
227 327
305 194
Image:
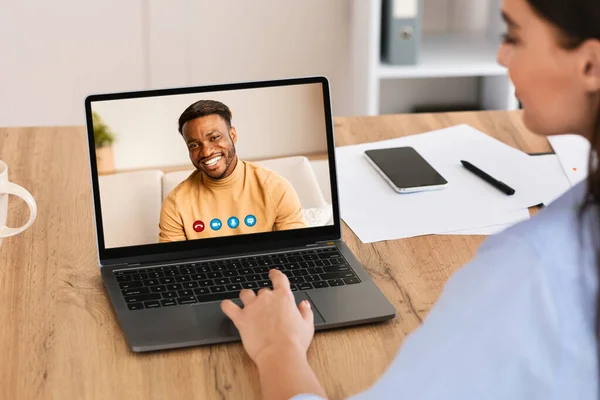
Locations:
449 55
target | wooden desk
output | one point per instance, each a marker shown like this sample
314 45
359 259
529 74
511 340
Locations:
59 337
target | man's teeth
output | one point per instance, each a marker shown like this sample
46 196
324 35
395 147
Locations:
212 161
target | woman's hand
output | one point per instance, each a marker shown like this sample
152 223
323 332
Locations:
270 323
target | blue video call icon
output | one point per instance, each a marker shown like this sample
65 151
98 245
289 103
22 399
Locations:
250 220
233 222
215 224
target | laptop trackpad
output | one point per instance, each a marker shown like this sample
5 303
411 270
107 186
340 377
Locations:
210 317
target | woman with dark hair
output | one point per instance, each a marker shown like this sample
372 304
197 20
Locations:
520 321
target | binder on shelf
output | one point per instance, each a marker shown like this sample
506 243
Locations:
401 31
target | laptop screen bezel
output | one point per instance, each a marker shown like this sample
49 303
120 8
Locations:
227 245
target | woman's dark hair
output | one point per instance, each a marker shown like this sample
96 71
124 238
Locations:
203 108
578 21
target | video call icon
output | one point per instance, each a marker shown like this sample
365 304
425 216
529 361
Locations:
250 220
233 222
198 226
215 224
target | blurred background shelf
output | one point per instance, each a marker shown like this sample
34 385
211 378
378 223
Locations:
457 66
449 55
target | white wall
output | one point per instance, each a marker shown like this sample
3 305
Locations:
55 53
270 123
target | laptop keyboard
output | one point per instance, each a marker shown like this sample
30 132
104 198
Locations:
199 282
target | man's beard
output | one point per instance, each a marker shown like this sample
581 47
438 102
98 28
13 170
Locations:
228 162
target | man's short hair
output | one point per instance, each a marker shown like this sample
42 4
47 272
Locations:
203 108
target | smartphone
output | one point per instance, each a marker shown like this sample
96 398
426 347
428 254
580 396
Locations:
405 170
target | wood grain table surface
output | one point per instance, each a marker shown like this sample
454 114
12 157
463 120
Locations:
59 338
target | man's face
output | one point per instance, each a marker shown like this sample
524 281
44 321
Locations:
211 144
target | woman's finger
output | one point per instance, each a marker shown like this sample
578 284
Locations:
263 291
306 311
247 296
232 310
280 281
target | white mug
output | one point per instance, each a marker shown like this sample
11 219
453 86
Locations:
7 188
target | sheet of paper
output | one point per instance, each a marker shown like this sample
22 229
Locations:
375 212
573 152
553 181
518 216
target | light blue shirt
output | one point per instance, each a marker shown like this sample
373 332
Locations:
517 322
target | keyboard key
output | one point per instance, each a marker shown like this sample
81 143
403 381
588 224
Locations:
172 272
156 289
249 264
203 269
300 272
265 262
218 268
351 281
169 295
142 297
310 257
294 259
264 284
183 278
123 278
155 274
134 291
336 268
152 304
199 277
238 279
320 284
280 260
229 274
324 256
337 275
250 285
169 302
150 282
312 278
139 277
292 266
175 286
189 285
260 270
131 285
168 280
201 291
234 265
222 281
206 283
218 289
336 282
185 293
253 278
187 300
218 297
304 286
246 271
234 288
322 263
296 279
307 264
187 270
265 276
293 288
214 275
135 306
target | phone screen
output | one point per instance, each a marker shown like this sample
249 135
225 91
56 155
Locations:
405 168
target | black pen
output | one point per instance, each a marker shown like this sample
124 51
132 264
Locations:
504 188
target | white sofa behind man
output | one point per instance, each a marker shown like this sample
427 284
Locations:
131 201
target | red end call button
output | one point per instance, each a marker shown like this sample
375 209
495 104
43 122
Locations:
198 226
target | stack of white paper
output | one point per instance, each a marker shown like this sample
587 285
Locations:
573 152
375 212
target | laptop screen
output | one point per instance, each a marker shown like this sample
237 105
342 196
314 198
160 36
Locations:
211 164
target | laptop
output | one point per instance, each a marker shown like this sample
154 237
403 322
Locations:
199 191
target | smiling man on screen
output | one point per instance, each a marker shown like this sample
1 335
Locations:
224 196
